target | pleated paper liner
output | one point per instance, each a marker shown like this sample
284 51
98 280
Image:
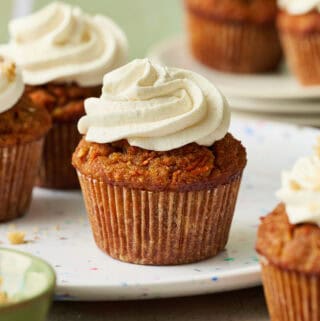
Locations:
234 47
18 172
56 171
291 296
303 54
159 228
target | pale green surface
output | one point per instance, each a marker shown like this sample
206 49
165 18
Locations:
5 13
144 21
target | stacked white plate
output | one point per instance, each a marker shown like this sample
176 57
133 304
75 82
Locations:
275 96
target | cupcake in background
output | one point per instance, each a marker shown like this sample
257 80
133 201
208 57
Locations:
64 54
159 172
299 26
22 129
288 243
238 36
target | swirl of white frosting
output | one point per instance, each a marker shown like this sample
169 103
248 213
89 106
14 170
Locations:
11 84
301 191
297 7
156 108
60 43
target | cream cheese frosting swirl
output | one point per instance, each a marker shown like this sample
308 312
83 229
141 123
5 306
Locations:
301 190
156 108
61 43
11 84
297 7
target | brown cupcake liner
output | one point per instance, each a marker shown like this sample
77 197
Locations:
159 227
56 171
18 172
303 55
234 46
291 296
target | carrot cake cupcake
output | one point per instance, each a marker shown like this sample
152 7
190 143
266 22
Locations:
159 172
22 129
288 243
64 54
299 26
237 36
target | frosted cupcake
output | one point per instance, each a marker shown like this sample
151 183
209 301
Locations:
22 130
159 172
288 242
238 36
64 54
299 27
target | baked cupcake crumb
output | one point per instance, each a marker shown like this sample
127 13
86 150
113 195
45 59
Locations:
64 102
16 237
291 247
8 68
23 123
257 11
4 298
186 168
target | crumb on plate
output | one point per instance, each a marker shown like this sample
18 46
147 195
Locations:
3 297
16 237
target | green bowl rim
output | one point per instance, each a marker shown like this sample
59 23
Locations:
49 289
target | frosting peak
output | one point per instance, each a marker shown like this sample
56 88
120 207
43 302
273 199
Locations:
156 108
297 7
301 190
61 43
11 84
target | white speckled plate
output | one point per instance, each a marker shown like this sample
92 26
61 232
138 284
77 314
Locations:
57 230
298 107
296 119
278 85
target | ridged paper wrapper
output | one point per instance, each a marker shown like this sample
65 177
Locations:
18 173
56 171
159 227
237 47
290 295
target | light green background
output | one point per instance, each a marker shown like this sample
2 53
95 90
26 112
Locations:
145 22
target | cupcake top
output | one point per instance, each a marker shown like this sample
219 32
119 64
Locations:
20 120
158 128
256 11
11 84
64 102
300 190
291 247
289 237
61 43
299 7
156 108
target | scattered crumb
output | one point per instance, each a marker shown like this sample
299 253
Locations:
295 185
3 297
57 227
8 68
16 237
